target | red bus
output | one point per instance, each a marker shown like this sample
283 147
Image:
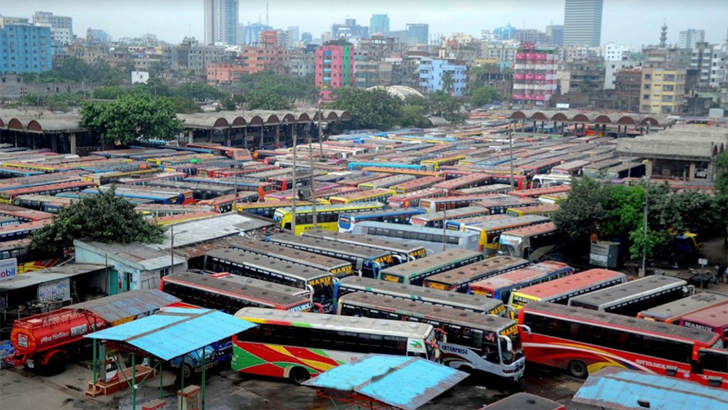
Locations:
501 286
672 312
714 319
416 185
541 167
225 203
519 181
537 192
228 172
466 181
582 341
412 199
8 196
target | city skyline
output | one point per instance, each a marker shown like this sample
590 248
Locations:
468 16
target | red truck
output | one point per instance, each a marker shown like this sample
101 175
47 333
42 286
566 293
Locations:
45 342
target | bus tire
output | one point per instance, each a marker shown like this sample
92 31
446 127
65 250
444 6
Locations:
299 375
578 369
56 364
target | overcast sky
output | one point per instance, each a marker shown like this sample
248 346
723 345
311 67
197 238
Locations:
629 22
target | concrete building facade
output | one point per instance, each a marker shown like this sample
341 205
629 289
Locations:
432 72
663 90
690 38
24 47
379 24
221 21
583 22
555 34
534 74
418 33
334 68
710 59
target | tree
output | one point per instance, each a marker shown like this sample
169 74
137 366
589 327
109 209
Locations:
448 82
414 116
264 101
290 88
369 108
104 217
721 165
446 106
580 214
184 105
483 95
130 118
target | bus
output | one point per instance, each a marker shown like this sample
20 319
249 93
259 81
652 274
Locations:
386 182
435 163
159 176
416 185
453 202
29 262
327 216
465 181
339 268
389 165
524 401
20 231
226 294
243 184
285 182
434 240
236 262
501 286
561 290
159 210
459 279
570 168
532 242
489 232
537 192
397 216
413 198
157 195
8 196
401 251
542 210
519 181
633 297
44 203
226 203
200 191
672 312
500 205
427 296
315 343
377 194
471 341
437 219
366 261
486 189
581 342
550 180
415 273
714 319
339 191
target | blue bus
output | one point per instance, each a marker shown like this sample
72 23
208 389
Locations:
347 221
360 165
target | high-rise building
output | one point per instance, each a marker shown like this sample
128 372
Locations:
556 34
505 33
334 67
96 36
710 60
534 74
418 33
349 30
61 29
432 76
690 38
306 38
221 21
55 21
293 36
30 50
583 22
251 33
531 36
379 23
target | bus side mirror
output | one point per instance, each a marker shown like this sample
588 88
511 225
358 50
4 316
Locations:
442 335
526 328
509 344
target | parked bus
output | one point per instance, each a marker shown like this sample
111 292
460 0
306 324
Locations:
398 216
581 342
200 191
415 273
416 185
112 177
159 210
570 168
379 195
489 231
427 296
226 203
501 286
434 240
486 190
401 251
8 196
537 192
500 205
672 312
327 216
339 268
20 231
367 261
388 165
531 242
159 176
464 182
453 202
316 343
437 219
561 290
413 198
435 163
473 341
386 183
241 263
524 401
243 184
267 209
519 181
228 295
633 297
542 210
157 195
460 278
550 180
714 319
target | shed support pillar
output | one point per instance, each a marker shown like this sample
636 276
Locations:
278 135
691 172
190 136
71 138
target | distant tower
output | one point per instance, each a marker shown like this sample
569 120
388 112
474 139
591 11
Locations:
267 22
663 35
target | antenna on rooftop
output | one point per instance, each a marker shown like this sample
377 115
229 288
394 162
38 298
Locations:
267 21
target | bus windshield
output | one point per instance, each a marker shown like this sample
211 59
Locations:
510 245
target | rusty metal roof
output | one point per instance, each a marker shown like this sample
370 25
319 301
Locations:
127 305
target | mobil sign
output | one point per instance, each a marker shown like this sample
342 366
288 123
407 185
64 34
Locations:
8 268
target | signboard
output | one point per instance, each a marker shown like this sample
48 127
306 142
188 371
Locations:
54 290
562 106
703 262
8 268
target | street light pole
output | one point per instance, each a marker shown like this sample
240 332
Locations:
295 191
171 248
644 231
313 188
510 149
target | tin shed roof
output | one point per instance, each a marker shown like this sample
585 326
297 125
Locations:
127 305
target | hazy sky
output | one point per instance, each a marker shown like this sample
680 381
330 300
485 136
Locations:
630 22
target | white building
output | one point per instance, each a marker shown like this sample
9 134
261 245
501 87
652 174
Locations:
611 68
690 38
615 52
710 59
221 21
583 22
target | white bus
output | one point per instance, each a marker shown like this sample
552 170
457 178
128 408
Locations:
430 238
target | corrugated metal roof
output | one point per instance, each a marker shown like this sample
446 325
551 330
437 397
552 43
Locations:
620 389
175 331
47 275
127 305
399 381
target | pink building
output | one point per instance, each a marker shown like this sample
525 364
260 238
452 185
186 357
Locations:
219 73
334 68
534 75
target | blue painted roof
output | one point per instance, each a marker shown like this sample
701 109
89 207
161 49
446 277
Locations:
175 331
620 389
399 381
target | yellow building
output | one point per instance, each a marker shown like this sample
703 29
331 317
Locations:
663 90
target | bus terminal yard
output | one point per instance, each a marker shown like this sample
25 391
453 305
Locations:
437 246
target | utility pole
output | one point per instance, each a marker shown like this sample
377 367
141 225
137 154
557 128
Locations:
313 188
510 149
320 132
644 228
444 229
295 192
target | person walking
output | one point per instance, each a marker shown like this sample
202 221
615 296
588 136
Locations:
718 271
725 275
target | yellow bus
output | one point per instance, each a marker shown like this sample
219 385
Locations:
110 177
435 163
376 194
490 230
327 216
543 210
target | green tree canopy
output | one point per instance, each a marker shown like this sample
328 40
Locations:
282 86
414 116
72 69
104 217
259 100
130 118
579 215
184 105
369 108
446 106
483 95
